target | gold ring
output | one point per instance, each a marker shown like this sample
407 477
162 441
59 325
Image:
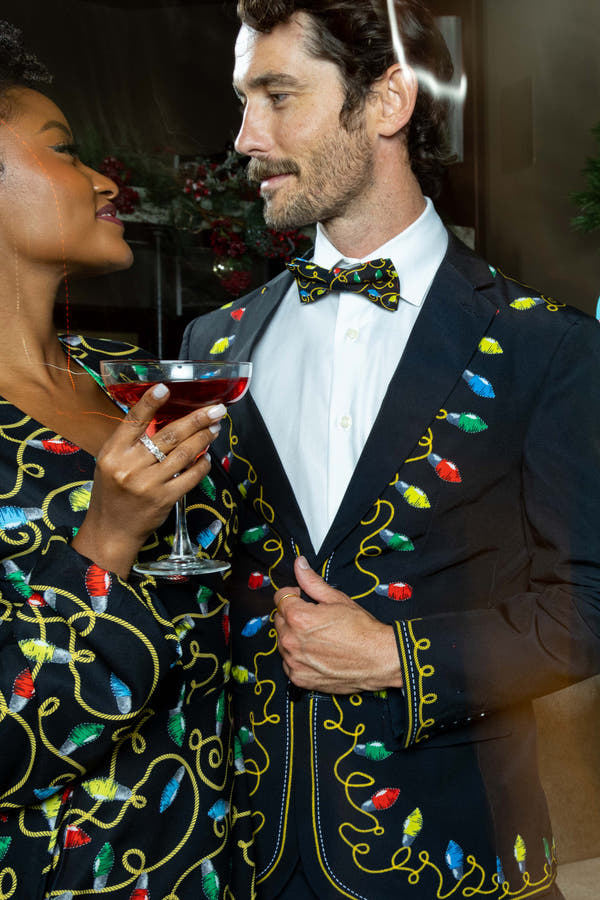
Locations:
289 594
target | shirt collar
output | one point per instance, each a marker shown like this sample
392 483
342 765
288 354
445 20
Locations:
416 253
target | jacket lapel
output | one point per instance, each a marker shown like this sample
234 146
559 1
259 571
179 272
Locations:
454 318
248 422
272 477
250 327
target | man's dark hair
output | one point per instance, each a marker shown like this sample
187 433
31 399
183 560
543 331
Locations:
18 67
356 36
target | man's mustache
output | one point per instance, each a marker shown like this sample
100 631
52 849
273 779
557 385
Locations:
259 170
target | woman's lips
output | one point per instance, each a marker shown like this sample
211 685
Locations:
108 213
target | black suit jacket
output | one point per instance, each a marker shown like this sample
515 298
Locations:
471 525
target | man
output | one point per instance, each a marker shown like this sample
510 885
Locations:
420 476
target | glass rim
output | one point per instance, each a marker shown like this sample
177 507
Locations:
176 362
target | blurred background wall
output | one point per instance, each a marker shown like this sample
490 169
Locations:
542 97
149 75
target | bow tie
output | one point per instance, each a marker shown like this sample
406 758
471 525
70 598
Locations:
376 279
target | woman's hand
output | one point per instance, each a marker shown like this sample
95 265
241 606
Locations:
133 492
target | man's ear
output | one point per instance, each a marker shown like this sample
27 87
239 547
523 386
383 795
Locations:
396 95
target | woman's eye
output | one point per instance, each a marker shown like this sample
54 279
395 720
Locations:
67 149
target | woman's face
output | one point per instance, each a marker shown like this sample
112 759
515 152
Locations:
55 212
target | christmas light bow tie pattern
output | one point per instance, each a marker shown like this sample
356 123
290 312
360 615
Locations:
377 280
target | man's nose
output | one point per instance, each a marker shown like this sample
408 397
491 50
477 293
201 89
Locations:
253 138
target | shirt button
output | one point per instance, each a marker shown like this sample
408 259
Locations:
352 334
346 422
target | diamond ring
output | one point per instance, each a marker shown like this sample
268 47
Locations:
151 446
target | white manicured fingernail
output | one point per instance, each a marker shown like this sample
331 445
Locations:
160 391
216 412
207 456
215 429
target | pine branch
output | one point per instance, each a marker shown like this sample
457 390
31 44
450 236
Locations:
588 200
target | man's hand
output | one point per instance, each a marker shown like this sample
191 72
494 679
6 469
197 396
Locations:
332 645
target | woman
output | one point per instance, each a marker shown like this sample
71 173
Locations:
116 771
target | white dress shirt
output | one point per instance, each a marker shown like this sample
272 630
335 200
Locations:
321 370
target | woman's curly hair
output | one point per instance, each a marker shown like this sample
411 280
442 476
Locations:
18 67
356 36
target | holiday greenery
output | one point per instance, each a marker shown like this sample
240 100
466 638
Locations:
588 200
205 201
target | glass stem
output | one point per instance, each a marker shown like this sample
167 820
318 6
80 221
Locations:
182 546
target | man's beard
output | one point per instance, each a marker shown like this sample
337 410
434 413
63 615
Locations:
339 168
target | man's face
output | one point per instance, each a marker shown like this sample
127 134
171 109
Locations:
308 166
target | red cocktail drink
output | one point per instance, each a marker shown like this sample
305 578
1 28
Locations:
184 396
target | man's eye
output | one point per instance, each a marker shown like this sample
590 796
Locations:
278 98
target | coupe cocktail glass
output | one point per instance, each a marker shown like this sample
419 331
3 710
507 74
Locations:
192 384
